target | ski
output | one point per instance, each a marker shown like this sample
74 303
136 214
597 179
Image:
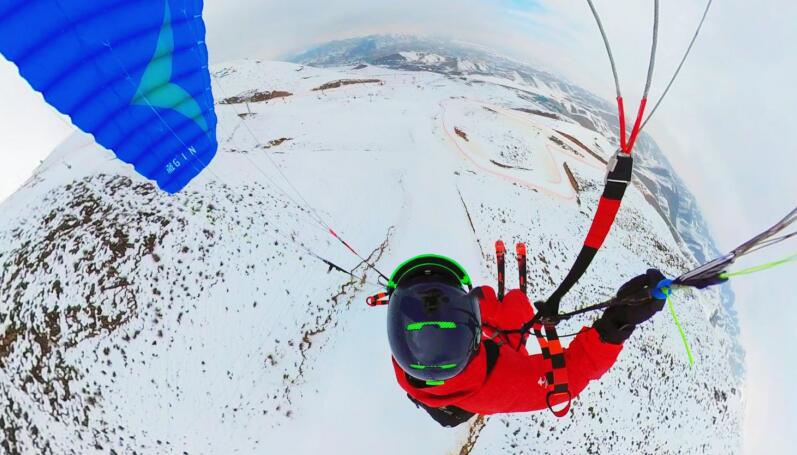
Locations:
500 254
520 252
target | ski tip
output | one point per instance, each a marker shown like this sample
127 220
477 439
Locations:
520 248
500 247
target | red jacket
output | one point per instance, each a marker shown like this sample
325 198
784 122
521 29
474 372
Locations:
516 382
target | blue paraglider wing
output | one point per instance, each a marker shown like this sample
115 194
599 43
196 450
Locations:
133 73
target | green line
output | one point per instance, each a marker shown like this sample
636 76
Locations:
435 382
759 268
680 329
446 366
440 324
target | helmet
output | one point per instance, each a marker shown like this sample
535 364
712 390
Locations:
433 323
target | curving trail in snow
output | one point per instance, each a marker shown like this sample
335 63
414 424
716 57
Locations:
545 172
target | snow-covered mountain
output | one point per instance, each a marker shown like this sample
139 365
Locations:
554 96
207 322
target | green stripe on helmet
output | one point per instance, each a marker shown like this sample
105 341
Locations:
440 324
446 366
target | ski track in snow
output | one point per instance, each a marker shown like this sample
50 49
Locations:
136 322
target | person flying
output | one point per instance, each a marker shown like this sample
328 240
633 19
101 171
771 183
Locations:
456 352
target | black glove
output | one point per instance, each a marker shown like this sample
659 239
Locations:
618 322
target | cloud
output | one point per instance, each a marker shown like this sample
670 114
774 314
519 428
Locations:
270 29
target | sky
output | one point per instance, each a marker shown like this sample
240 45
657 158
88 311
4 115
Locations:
726 125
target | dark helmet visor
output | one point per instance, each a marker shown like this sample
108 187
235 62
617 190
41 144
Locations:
434 328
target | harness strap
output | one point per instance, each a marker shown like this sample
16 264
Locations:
620 171
618 177
551 347
556 377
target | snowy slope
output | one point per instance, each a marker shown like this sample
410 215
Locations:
554 94
136 322
555 97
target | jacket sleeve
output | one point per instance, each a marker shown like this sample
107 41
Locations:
517 382
588 358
